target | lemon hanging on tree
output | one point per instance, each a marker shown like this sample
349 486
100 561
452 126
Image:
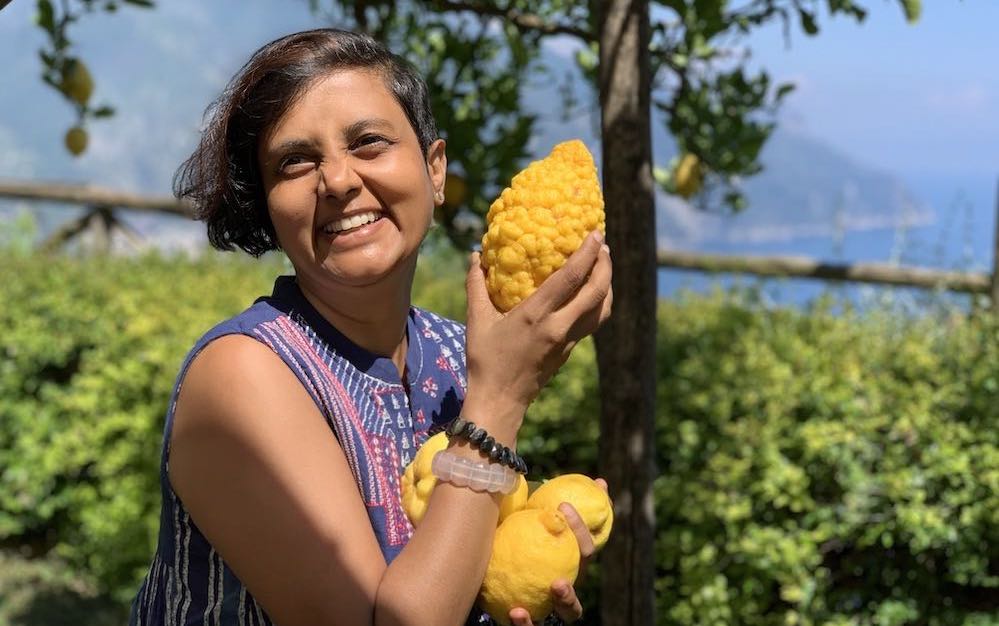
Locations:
76 140
77 83
689 175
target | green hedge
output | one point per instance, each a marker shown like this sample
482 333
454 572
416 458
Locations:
826 469
88 356
815 468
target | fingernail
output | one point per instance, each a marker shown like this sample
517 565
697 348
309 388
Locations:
599 236
605 248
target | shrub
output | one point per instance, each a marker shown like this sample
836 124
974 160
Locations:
88 357
815 468
826 469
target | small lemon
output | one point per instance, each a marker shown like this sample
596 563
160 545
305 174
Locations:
585 495
77 82
76 140
455 190
689 175
418 483
531 550
513 502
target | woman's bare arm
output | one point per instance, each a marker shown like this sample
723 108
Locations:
268 484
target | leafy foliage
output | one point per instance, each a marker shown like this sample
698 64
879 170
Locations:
815 468
824 469
87 361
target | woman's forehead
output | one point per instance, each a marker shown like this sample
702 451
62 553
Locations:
345 96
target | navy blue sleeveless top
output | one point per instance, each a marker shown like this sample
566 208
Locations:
367 407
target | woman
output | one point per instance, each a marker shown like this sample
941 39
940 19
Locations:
290 424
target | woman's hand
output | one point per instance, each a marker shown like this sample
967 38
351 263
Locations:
511 356
566 603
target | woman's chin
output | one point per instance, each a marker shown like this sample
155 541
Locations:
367 274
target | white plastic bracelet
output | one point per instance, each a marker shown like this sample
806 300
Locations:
457 470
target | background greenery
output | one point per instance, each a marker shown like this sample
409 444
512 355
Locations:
815 466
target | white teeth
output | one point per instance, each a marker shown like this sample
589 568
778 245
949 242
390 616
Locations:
351 222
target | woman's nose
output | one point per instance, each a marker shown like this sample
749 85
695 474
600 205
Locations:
338 179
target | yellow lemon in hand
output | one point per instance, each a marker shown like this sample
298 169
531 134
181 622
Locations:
511 503
418 483
532 549
417 480
585 495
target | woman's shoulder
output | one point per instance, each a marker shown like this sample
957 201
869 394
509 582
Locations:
248 322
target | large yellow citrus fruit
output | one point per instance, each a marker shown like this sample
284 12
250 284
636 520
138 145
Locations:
532 549
539 221
418 483
76 140
585 495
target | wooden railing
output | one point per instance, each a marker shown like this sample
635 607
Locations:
101 203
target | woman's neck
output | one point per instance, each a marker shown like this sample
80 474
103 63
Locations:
373 317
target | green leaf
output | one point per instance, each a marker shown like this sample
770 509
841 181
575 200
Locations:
103 111
784 90
808 23
45 16
913 9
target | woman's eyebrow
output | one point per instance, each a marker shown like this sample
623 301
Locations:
292 145
360 126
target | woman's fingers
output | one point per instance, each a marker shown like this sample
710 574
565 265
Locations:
566 281
583 537
578 526
520 617
566 605
590 307
479 303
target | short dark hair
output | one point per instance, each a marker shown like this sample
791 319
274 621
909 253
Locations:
222 177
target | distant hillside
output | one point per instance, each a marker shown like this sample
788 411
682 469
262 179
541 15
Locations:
807 188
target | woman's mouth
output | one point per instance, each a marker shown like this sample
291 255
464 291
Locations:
351 224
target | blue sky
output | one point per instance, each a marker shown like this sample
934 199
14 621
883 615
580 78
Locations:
915 99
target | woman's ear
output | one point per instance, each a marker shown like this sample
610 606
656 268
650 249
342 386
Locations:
437 168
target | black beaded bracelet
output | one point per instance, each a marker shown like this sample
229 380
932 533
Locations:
479 439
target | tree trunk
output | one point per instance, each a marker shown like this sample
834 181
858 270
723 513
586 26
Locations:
626 344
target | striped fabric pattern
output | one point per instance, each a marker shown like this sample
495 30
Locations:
378 423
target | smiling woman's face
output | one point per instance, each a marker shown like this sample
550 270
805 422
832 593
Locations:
349 191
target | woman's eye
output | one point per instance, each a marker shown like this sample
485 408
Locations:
295 164
369 141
